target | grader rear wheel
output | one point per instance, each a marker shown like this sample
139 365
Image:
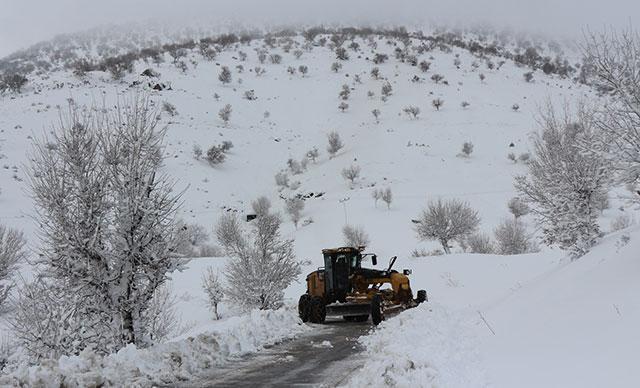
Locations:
304 307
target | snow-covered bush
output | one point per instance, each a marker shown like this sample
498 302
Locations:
261 206
225 75
355 236
467 149
250 95
518 207
528 76
412 111
262 264
169 108
160 318
276 59
294 208
375 73
215 155
464 104
386 90
214 290
342 54
515 107
437 78
336 66
622 221
437 103
376 114
303 69
295 167
351 173
12 82
425 66
12 252
563 181
447 221
512 238
197 152
387 196
343 106
335 143
480 243
282 179
345 92
313 154
225 113
376 194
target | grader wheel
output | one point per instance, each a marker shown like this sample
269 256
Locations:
377 313
318 310
304 307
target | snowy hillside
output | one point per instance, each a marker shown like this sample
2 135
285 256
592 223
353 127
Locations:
557 322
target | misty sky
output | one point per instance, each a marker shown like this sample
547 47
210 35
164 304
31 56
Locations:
24 22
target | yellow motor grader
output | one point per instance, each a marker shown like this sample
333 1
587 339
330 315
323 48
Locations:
343 288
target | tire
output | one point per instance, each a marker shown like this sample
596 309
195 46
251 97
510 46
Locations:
421 296
304 307
317 310
377 315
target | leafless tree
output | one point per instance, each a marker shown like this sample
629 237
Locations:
387 196
12 252
262 263
563 181
447 221
351 173
355 236
437 103
412 111
225 113
225 75
376 114
512 238
214 289
480 243
335 143
294 208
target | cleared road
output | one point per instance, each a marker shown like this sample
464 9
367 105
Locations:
324 358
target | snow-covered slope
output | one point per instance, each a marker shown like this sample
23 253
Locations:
417 158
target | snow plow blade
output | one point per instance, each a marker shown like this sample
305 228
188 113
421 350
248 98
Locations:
348 309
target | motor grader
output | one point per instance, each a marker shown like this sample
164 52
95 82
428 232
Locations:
343 288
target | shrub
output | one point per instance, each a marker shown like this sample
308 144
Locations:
376 114
437 78
197 151
386 89
447 221
343 106
425 66
169 108
215 155
512 238
518 207
622 221
379 58
515 107
335 143
345 92
12 253
351 173
225 113
480 243
214 290
225 75
282 179
375 73
412 111
387 196
294 207
467 149
276 59
342 54
464 104
336 66
528 76
437 103
303 69
313 154
355 236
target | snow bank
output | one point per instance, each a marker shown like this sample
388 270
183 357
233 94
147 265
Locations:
180 360
422 347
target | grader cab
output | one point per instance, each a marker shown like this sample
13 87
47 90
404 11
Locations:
343 288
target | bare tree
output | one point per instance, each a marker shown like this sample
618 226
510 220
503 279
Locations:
351 173
447 221
225 75
262 263
412 111
512 238
117 246
12 252
376 194
355 236
613 58
563 182
225 113
518 207
387 196
376 114
480 243
213 288
261 206
294 207
335 143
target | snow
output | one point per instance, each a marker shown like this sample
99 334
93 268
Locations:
556 323
179 360
571 325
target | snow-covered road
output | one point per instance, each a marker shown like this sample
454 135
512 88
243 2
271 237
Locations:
324 357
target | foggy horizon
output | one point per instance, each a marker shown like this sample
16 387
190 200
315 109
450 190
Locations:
31 21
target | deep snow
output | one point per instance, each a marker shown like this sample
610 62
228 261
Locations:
556 323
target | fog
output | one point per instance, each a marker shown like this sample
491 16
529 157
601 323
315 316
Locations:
25 22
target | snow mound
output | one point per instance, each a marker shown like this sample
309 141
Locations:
422 347
180 360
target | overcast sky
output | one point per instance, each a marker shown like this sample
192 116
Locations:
25 22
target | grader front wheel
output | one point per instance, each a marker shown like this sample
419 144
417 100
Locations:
318 310
377 313
304 307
